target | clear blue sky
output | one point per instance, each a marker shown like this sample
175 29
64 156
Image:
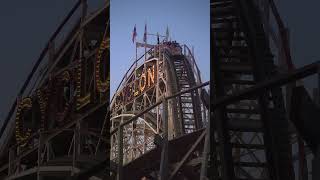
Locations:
188 22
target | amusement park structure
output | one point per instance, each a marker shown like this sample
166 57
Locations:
56 128
259 130
260 124
159 114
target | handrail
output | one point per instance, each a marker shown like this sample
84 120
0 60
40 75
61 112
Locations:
35 67
194 63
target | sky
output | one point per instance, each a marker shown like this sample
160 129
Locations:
188 22
302 20
26 26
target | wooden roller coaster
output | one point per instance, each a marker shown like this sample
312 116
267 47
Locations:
60 124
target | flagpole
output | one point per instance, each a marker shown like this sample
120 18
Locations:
133 40
136 56
145 43
167 34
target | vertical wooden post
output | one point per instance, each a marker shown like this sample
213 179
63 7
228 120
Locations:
39 155
48 150
76 145
133 143
120 153
11 159
318 92
164 152
74 151
78 139
205 154
316 159
157 89
316 164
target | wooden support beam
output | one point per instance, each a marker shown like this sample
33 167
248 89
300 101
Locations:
120 154
158 103
281 80
205 154
11 161
39 155
55 133
164 169
187 155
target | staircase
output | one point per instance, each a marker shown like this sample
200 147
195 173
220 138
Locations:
252 135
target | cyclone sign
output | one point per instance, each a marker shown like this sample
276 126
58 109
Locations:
141 80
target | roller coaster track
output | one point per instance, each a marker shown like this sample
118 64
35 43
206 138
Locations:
60 113
137 119
159 115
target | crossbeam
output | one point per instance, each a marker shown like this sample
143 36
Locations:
280 80
156 104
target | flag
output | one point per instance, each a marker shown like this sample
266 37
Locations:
145 34
134 34
167 34
158 38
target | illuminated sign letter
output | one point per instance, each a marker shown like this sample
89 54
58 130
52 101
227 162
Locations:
43 101
102 86
81 100
25 104
142 83
150 76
